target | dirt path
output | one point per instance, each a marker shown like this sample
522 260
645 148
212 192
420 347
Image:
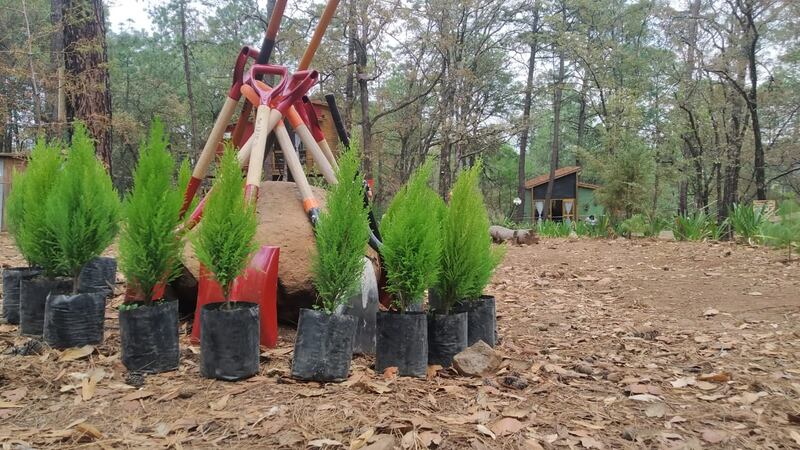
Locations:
623 344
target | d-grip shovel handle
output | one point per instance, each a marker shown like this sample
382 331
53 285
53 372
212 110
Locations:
337 120
266 96
299 83
238 71
313 120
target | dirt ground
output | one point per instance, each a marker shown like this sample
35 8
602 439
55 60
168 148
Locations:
612 344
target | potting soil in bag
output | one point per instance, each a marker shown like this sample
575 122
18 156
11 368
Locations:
98 275
74 320
402 342
33 294
229 347
323 347
447 336
12 277
482 320
149 336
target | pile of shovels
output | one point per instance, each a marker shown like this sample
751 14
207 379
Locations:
263 110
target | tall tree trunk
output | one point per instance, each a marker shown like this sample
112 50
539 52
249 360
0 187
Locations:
55 96
86 71
187 74
688 151
526 117
37 100
363 94
683 198
349 87
582 117
752 101
556 136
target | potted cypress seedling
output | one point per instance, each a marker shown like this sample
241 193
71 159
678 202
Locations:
323 347
149 256
82 215
229 331
25 209
467 264
411 252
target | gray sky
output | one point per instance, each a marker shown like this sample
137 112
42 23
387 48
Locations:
124 13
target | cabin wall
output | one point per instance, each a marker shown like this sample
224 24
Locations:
587 203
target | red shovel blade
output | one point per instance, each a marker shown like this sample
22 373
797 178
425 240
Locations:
258 284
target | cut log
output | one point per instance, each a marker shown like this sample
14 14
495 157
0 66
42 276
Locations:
518 237
283 223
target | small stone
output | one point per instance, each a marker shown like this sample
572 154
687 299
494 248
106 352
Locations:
584 368
478 360
135 379
614 377
514 381
629 434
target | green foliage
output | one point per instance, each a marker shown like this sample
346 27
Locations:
786 232
82 210
551 228
746 221
411 240
636 224
149 249
184 177
694 227
468 259
341 234
642 225
27 204
224 240
626 176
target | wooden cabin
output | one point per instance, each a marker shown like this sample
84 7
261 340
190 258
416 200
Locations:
9 163
571 199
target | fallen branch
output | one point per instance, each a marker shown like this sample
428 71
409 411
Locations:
518 237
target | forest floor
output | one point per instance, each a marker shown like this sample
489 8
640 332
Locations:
622 344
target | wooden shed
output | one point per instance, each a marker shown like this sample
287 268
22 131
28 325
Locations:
571 199
9 163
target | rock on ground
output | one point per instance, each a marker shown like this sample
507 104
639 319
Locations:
478 360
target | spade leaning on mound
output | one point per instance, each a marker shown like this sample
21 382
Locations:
282 222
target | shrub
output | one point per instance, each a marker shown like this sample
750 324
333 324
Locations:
224 240
341 234
786 232
636 224
149 249
412 245
27 204
746 222
694 227
468 259
82 210
551 228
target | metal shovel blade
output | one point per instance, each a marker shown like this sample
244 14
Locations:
364 307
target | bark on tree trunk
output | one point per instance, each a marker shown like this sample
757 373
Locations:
349 89
752 103
55 95
526 118
86 71
363 94
547 213
187 74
